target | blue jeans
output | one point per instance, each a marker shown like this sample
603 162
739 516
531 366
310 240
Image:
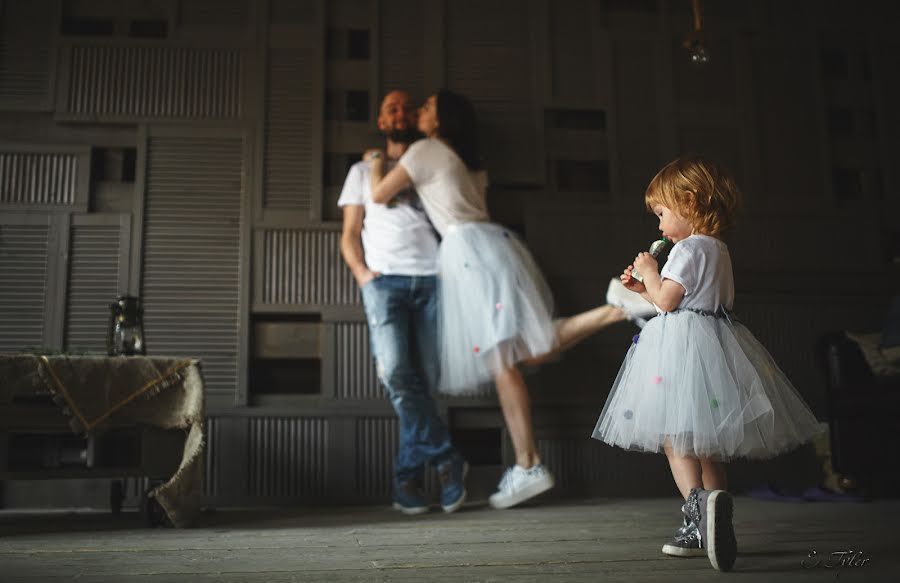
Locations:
402 315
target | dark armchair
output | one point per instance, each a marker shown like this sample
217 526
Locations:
863 415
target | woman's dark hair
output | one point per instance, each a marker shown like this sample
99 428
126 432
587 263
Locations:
458 125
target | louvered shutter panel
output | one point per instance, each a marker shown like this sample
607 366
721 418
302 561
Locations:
95 280
191 282
24 250
290 141
133 81
26 35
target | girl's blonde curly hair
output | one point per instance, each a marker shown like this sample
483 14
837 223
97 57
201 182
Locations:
701 191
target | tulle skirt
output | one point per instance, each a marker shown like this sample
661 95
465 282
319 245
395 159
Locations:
705 385
496 309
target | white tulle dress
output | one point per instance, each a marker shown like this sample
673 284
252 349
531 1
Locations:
698 379
496 309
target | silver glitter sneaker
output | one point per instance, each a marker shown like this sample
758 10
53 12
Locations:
686 542
712 511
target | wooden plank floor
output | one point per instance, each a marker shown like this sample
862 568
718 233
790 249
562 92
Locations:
596 540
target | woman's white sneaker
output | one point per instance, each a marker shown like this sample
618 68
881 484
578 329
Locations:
518 485
635 306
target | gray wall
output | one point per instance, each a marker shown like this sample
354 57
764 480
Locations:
191 151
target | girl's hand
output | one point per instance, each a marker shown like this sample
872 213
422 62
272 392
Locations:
646 263
373 154
630 282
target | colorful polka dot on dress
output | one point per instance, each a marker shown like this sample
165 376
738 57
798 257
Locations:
635 338
628 414
476 350
498 306
657 380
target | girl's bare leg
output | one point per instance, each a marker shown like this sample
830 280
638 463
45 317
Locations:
714 476
686 470
572 330
516 405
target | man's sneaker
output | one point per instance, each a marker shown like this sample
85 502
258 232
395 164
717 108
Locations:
452 476
686 542
712 511
518 485
632 303
408 497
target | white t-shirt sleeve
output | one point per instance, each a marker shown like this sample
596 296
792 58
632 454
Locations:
681 267
353 190
418 161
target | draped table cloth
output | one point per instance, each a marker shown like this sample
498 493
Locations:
99 391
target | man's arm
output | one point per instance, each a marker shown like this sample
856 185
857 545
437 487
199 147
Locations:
351 244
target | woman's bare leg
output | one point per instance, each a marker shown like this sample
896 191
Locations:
516 405
572 330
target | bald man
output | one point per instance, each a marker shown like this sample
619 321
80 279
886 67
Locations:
392 251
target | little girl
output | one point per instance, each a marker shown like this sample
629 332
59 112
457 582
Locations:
496 309
696 383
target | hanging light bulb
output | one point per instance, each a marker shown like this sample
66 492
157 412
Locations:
695 42
699 54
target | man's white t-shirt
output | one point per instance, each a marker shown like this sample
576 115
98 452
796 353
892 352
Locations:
451 193
702 265
397 237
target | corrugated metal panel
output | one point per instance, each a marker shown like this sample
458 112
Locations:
635 95
142 81
789 331
290 142
213 14
136 488
489 60
573 66
93 285
484 390
305 267
376 446
33 178
403 47
192 253
569 461
25 41
288 457
355 378
586 467
23 280
488 50
294 11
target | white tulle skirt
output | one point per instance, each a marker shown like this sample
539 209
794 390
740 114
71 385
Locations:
496 309
708 387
